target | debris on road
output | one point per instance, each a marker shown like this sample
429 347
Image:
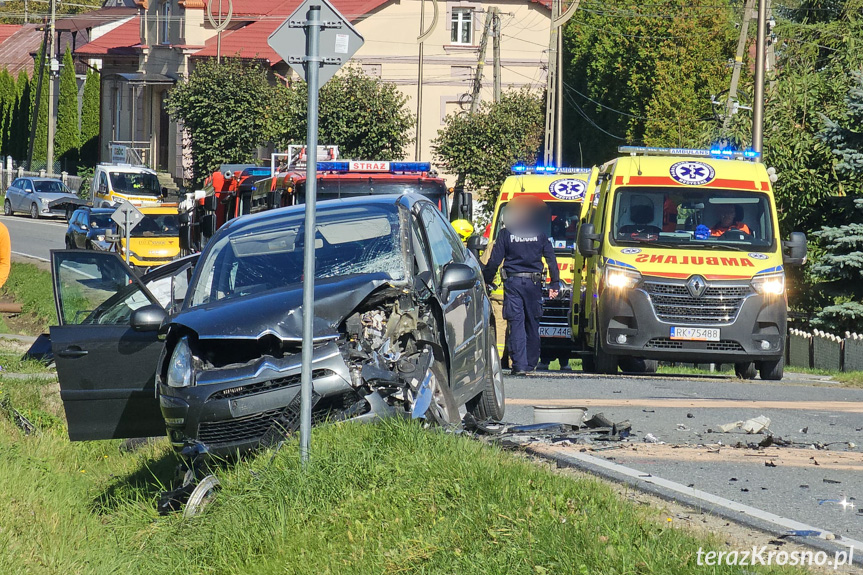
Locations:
725 428
769 463
756 424
650 438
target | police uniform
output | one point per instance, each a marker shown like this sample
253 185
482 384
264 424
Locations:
522 290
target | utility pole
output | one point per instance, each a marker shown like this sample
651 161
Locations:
758 103
738 64
52 120
495 52
551 85
419 123
558 113
480 63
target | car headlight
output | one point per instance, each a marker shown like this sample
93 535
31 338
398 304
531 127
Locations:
181 368
45 201
100 238
769 284
621 278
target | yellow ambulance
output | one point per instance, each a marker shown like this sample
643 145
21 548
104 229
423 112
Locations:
567 192
684 263
155 240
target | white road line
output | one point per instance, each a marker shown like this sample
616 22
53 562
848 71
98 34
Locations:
31 257
44 223
641 476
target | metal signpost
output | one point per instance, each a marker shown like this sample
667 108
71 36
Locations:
315 41
127 217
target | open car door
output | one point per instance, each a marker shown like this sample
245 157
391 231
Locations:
106 367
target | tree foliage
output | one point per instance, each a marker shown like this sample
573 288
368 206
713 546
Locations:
229 109
67 138
642 74
40 142
90 119
482 147
20 131
363 115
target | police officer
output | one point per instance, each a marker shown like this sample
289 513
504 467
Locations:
521 247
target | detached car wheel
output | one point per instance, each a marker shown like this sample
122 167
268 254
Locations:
203 494
745 370
491 403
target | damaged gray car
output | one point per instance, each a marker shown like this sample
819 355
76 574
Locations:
402 326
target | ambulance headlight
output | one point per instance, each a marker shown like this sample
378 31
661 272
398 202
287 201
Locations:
769 284
621 278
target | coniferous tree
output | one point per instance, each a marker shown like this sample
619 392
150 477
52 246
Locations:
8 97
90 120
20 132
67 138
40 142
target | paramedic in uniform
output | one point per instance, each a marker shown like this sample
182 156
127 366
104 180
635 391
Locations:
521 247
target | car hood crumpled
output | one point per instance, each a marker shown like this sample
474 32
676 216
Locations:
280 312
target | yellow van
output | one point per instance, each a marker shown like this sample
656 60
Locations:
567 192
115 183
155 240
684 263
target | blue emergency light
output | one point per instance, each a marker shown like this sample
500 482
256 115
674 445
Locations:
257 172
332 166
711 153
410 167
522 169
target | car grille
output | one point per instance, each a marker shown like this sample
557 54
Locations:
269 385
673 303
555 312
667 343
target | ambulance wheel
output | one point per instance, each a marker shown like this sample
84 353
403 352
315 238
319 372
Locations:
588 365
604 362
772 370
638 364
745 370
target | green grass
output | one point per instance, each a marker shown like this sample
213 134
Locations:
32 288
386 498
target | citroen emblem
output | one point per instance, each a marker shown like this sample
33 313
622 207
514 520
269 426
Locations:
696 286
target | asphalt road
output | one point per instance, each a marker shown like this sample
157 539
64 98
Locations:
35 238
809 479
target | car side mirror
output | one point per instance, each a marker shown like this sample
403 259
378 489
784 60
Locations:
586 237
148 318
457 277
208 225
83 228
112 238
477 244
794 250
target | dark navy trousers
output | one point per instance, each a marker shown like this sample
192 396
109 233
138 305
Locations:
522 308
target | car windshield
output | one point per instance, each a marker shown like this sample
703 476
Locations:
697 217
349 240
51 187
157 225
336 188
101 221
559 220
135 183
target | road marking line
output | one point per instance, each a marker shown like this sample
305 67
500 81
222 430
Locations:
32 257
642 477
678 403
23 221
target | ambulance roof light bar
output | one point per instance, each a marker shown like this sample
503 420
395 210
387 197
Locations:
374 166
523 169
711 153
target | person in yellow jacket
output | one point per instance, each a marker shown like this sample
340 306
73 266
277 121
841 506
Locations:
463 228
5 254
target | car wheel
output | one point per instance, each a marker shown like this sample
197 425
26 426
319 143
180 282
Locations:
772 370
441 409
491 403
745 370
638 364
7 208
34 211
69 212
588 364
69 245
604 362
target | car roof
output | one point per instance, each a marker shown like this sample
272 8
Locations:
408 200
39 179
97 211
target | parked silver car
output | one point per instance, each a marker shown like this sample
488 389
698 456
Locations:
40 197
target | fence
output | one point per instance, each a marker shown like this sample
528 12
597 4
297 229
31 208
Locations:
9 173
826 351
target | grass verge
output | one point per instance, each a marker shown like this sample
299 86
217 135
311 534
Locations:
32 288
385 498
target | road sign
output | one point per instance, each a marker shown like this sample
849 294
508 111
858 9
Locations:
127 217
338 40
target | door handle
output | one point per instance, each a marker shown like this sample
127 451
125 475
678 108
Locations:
73 352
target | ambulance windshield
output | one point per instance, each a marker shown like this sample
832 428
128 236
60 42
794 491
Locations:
558 220
681 217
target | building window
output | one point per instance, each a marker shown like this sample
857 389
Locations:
461 30
165 24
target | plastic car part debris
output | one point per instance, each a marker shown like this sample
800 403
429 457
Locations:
650 438
725 428
17 417
424 397
769 463
756 424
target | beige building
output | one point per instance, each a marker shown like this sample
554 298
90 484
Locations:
143 57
